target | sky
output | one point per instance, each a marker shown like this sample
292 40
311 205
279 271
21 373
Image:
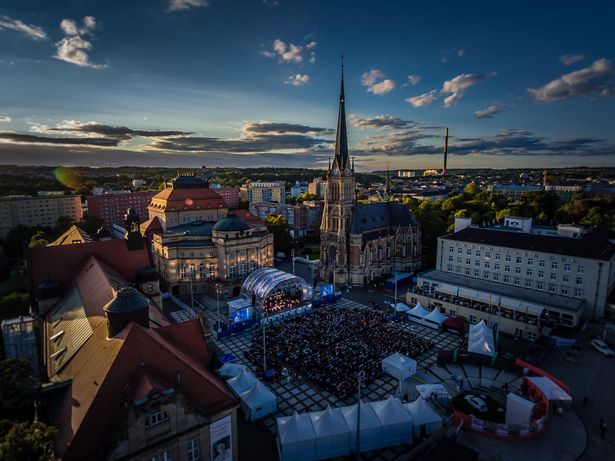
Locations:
186 83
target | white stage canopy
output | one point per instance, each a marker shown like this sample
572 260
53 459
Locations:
258 402
435 316
399 366
262 282
371 429
332 433
396 421
424 415
242 382
418 311
550 389
296 438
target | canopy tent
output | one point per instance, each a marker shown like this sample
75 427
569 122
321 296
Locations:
479 328
371 430
518 409
482 345
436 317
437 391
424 415
296 438
332 433
551 390
231 370
396 422
418 311
399 366
262 282
258 402
401 307
242 382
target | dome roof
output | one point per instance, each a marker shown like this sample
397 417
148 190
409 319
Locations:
231 223
127 300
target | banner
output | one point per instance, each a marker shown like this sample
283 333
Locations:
221 439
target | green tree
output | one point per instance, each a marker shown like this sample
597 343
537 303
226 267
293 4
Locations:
17 387
28 442
278 226
39 239
472 188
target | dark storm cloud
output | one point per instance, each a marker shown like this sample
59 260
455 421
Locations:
35 139
284 128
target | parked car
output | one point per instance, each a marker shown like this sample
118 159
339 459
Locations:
476 402
602 347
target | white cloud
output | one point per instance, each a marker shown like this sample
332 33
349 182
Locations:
74 48
569 59
298 80
180 5
414 79
375 82
292 53
459 84
5 118
423 99
596 79
34 32
460 52
311 45
489 112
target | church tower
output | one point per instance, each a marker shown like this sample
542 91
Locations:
339 206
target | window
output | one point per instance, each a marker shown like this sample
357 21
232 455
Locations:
506 279
487 265
477 262
517 270
476 273
467 271
459 259
528 272
541 263
477 253
487 255
539 285
518 332
496 267
496 277
468 261
541 274
579 281
531 336
252 265
530 262
565 278
580 270
469 252
194 449
450 259
202 271
578 293
449 268
156 417
497 256
452 313
507 258
551 288
518 259
472 319
164 456
232 272
460 250
528 284
553 265
212 271
458 270
552 276
242 269
182 270
567 267
517 281
564 290
192 271
451 249
486 275
506 268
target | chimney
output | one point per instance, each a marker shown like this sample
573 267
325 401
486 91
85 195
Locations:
445 149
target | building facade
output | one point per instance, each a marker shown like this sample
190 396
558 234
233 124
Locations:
264 192
318 187
362 242
230 195
111 208
37 211
303 218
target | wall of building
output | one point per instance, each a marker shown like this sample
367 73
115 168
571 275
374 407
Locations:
111 208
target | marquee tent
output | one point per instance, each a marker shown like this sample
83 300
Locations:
482 345
551 390
296 438
401 307
480 328
399 366
230 370
396 422
437 391
242 382
418 311
258 401
371 430
435 317
424 415
332 433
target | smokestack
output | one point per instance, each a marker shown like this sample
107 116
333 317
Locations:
445 149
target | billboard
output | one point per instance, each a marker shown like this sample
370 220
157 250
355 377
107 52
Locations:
221 439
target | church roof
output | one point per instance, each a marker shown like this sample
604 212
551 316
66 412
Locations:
380 216
341 139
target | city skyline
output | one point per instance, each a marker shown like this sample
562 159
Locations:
191 82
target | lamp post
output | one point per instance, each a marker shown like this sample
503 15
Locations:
218 307
395 294
292 252
360 378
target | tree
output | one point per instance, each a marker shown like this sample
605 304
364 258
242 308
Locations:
39 239
17 387
472 188
278 226
28 442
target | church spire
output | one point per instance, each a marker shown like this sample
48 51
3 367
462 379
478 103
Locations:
341 140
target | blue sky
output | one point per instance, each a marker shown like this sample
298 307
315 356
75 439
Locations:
229 82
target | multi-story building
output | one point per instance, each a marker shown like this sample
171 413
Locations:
565 193
202 257
318 187
521 275
37 211
297 189
111 208
513 191
362 242
230 195
303 218
265 192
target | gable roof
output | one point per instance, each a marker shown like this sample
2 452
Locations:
380 216
72 235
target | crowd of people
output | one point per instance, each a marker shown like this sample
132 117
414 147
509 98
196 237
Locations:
330 346
280 301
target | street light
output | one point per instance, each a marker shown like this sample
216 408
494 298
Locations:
218 306
360 378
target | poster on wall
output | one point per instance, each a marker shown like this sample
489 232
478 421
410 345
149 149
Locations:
220 439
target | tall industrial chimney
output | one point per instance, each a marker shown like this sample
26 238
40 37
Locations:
445 149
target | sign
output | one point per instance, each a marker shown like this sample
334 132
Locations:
221 439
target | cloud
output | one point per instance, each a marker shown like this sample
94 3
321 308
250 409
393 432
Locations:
74 48
5 118
423 99
271 3
34 32
569 59
414 79
23 138
459 84
460 52
386 122
595 80
181 5
375 82
298 80
489 112
284 128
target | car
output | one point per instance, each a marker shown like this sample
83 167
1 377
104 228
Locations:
602 347
476 402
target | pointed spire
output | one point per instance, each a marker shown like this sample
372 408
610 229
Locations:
341 140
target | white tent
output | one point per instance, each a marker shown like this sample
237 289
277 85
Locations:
258 401
480 328
399 366
401 307
396 422
296 438
242 382
371 429
518 409
482 345
423 415
437 391
435 317
230 370
551 390
418 311
332 433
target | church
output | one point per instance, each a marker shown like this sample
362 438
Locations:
362 242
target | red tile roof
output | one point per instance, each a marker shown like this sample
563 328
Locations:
251 219
189 198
